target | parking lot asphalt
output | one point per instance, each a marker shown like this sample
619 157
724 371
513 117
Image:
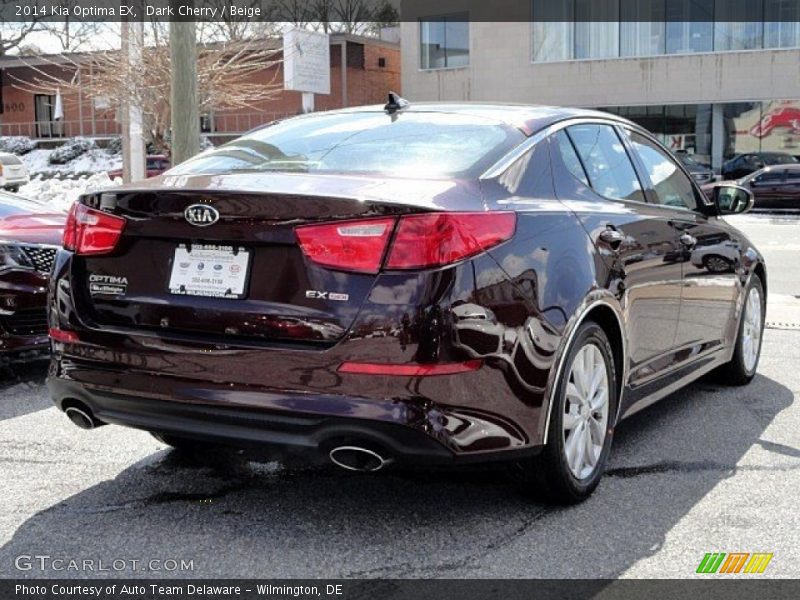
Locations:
710 468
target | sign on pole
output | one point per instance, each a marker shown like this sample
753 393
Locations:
307 64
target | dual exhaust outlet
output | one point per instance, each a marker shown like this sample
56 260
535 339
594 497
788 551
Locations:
351 458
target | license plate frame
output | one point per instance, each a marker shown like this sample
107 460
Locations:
210 271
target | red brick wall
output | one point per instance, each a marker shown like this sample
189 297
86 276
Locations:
367 83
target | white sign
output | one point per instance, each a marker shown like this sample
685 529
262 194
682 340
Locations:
306 62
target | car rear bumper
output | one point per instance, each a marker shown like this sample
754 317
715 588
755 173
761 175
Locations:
275 432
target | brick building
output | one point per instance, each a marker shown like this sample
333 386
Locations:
363 71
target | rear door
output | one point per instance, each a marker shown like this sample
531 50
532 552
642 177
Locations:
769 187
595 177
710 256
791 198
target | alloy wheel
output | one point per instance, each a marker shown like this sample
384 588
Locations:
752 330
586 411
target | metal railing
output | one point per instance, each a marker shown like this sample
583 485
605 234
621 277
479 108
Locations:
62 129
223 123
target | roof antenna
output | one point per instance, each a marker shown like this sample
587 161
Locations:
395 103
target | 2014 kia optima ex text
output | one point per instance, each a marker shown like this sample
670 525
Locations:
409 283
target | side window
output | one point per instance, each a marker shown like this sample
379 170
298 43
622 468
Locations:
793 176
567 153
607 164
772 176
671 185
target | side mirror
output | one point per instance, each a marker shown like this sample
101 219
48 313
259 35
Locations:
732 199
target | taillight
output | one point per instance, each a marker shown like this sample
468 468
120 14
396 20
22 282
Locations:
90 231
347 245
436 239
422 240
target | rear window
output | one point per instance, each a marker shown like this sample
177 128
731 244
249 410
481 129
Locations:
416 144
9 159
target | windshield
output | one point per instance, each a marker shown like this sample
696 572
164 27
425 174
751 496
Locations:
416 144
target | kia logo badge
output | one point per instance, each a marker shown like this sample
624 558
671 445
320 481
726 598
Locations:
201 215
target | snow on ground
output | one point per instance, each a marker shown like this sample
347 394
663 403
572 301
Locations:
59 194
93 161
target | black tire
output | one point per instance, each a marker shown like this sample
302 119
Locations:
736 372
13 189
548 476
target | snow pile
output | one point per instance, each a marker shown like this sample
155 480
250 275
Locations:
93 161
71 149
59 194
17 144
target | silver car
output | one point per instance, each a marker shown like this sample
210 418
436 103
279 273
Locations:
13 172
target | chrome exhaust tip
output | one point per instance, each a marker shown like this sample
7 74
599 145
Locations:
80 417
356 458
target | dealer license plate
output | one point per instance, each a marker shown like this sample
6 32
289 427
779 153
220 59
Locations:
209 270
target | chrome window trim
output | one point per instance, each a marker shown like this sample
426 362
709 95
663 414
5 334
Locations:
515 154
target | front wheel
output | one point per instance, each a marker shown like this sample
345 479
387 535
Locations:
742 367
581 422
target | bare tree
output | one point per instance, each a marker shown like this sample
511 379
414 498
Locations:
230 76
13 35
72 35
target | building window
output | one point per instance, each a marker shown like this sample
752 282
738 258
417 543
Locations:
553 30
690 26
444 41
782 24
739 25
596 28
642 28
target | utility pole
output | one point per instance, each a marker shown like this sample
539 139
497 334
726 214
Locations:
133 157
185 117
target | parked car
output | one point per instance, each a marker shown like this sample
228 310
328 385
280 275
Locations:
156 165
29 235
13 172
512 256
774 188
700 172
744 164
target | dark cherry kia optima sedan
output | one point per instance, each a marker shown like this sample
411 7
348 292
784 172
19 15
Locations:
429 284
30 234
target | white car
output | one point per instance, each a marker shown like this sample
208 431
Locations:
13 172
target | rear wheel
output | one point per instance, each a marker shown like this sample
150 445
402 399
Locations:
581 422
742 367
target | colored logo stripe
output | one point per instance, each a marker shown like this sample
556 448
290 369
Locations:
711 562
758 562
736 562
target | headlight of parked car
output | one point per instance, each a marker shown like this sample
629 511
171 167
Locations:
12 257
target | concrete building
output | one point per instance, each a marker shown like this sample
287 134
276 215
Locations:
713 88
363 71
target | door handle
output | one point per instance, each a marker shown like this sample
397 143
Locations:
612 237
687 240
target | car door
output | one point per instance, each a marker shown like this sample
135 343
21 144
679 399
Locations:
768 187
711 253
791 198
597 180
